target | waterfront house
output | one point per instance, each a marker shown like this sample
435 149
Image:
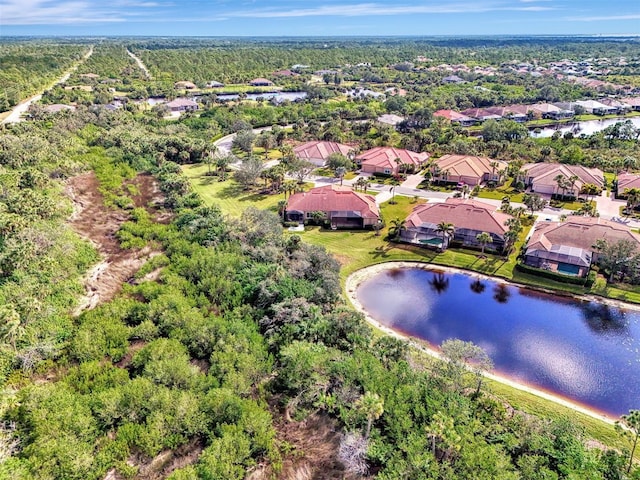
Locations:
339 207
261 82
541 177
513 112
480 114
621 108
467 169
182 105
455 117
570 247
317 152
596 108
551 111
390 160
469 218
633 102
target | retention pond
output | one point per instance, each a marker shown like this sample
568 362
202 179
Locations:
586 352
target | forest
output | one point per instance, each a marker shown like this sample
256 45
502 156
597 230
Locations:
223 347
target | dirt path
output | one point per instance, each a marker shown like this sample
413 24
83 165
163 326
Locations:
142 66
16 113
97 223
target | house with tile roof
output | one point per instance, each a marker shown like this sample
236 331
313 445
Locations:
627 181
455 117
390 160
182 105
621 107
480 114
469 218
541 177
317 152
633 102
548 110
595 107
261 82
339 206
467 169
509 113
569 247
184 84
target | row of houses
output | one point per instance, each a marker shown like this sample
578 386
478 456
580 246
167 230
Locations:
456 169
256 82
552 111
567 247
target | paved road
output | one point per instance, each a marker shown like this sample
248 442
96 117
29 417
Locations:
19 110
608 207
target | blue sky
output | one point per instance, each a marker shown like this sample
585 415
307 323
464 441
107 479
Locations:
318 17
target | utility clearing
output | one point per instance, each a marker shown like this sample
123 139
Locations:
97 223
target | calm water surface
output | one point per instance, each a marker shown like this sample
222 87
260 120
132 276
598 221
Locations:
585 351
588 127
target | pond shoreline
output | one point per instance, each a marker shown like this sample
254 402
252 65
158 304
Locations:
355 279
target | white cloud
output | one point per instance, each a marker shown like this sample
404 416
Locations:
45 12
376 9
605 18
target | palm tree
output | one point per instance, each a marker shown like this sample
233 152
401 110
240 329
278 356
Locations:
372 406
340 172
633 198
572 183
590 190
483 239
397 227
221 165
561 180
446 229
210 158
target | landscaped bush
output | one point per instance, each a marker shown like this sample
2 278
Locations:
558 277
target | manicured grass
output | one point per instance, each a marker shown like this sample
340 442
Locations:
356 249
327 172
500 193
228 195
542 407
609 178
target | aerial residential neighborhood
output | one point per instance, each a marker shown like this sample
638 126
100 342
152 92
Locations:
394 241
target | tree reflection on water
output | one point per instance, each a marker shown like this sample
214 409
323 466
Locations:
604 319
439 283
501 293
477 286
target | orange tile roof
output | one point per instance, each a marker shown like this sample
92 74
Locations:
628 180
385 157
462 213
544 173
468 165
320 149
334 198
578 232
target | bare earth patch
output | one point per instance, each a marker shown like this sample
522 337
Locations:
98 223
314 444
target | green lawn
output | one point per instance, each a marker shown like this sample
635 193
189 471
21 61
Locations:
327 172
500 193
356 249
228 195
